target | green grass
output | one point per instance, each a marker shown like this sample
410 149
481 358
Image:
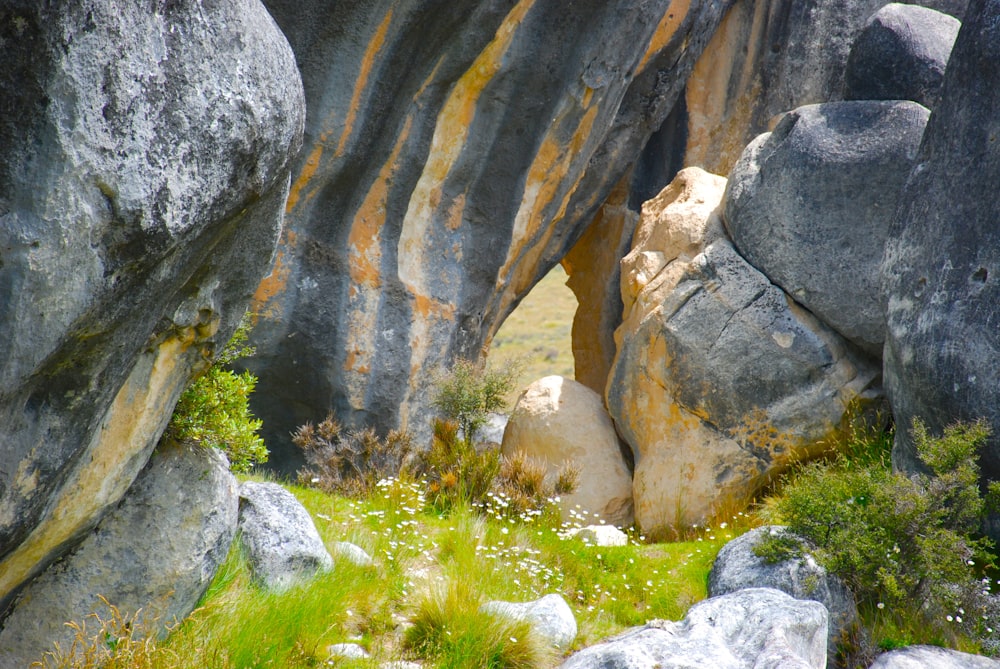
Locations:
431 573
538 333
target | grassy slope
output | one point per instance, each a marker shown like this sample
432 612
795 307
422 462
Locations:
418 553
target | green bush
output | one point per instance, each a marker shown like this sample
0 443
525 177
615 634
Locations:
469 393
350 462
908 547
214 409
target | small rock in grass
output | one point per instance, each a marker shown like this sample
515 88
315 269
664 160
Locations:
550 617
346 651
932 657
600 535
353 553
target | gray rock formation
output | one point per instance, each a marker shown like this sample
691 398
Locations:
143 172
759 628
932 657
810 206
721 381
550 617
901 54
454 152
941 273
737 567
599 535
282 544
157 551
352 553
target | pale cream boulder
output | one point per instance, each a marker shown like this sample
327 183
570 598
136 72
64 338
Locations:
562 422
720 380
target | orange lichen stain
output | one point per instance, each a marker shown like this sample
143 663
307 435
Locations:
669 23
453 219
428 307
106 469
450 135
374 46
274 283
716 123
363 240
547 173
353 364
305 174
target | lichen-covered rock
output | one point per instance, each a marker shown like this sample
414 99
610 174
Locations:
283 546
599 535
767 57
550 617
562 422
757 628
157 551
721 380
454 152
901 54
932 657
143 172
738 567
941 273
810 205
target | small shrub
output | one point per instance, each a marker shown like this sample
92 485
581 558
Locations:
469 393
119 642
906 545
350 462
522 488
456 473
214 409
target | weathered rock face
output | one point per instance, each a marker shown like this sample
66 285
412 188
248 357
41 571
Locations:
157 551
941 273
737 567
721 380
142 180
757 628
282 544
932 657
767 57
454 153
901 54
562 422
810 205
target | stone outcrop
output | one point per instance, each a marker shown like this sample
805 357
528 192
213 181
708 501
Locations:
156 552
901 54
941 273
932 657
738 567
143 173
561 422
282 544
550 617
721 380
810 206
767 57
757 628
454 153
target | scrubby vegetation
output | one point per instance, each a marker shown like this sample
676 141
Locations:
214 409
910 548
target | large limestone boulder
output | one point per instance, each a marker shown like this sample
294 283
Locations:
941 273
143 172
157 551
810 205
562 422
769 56
721 380
901 54
282 544
738 567
454 152
757 628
